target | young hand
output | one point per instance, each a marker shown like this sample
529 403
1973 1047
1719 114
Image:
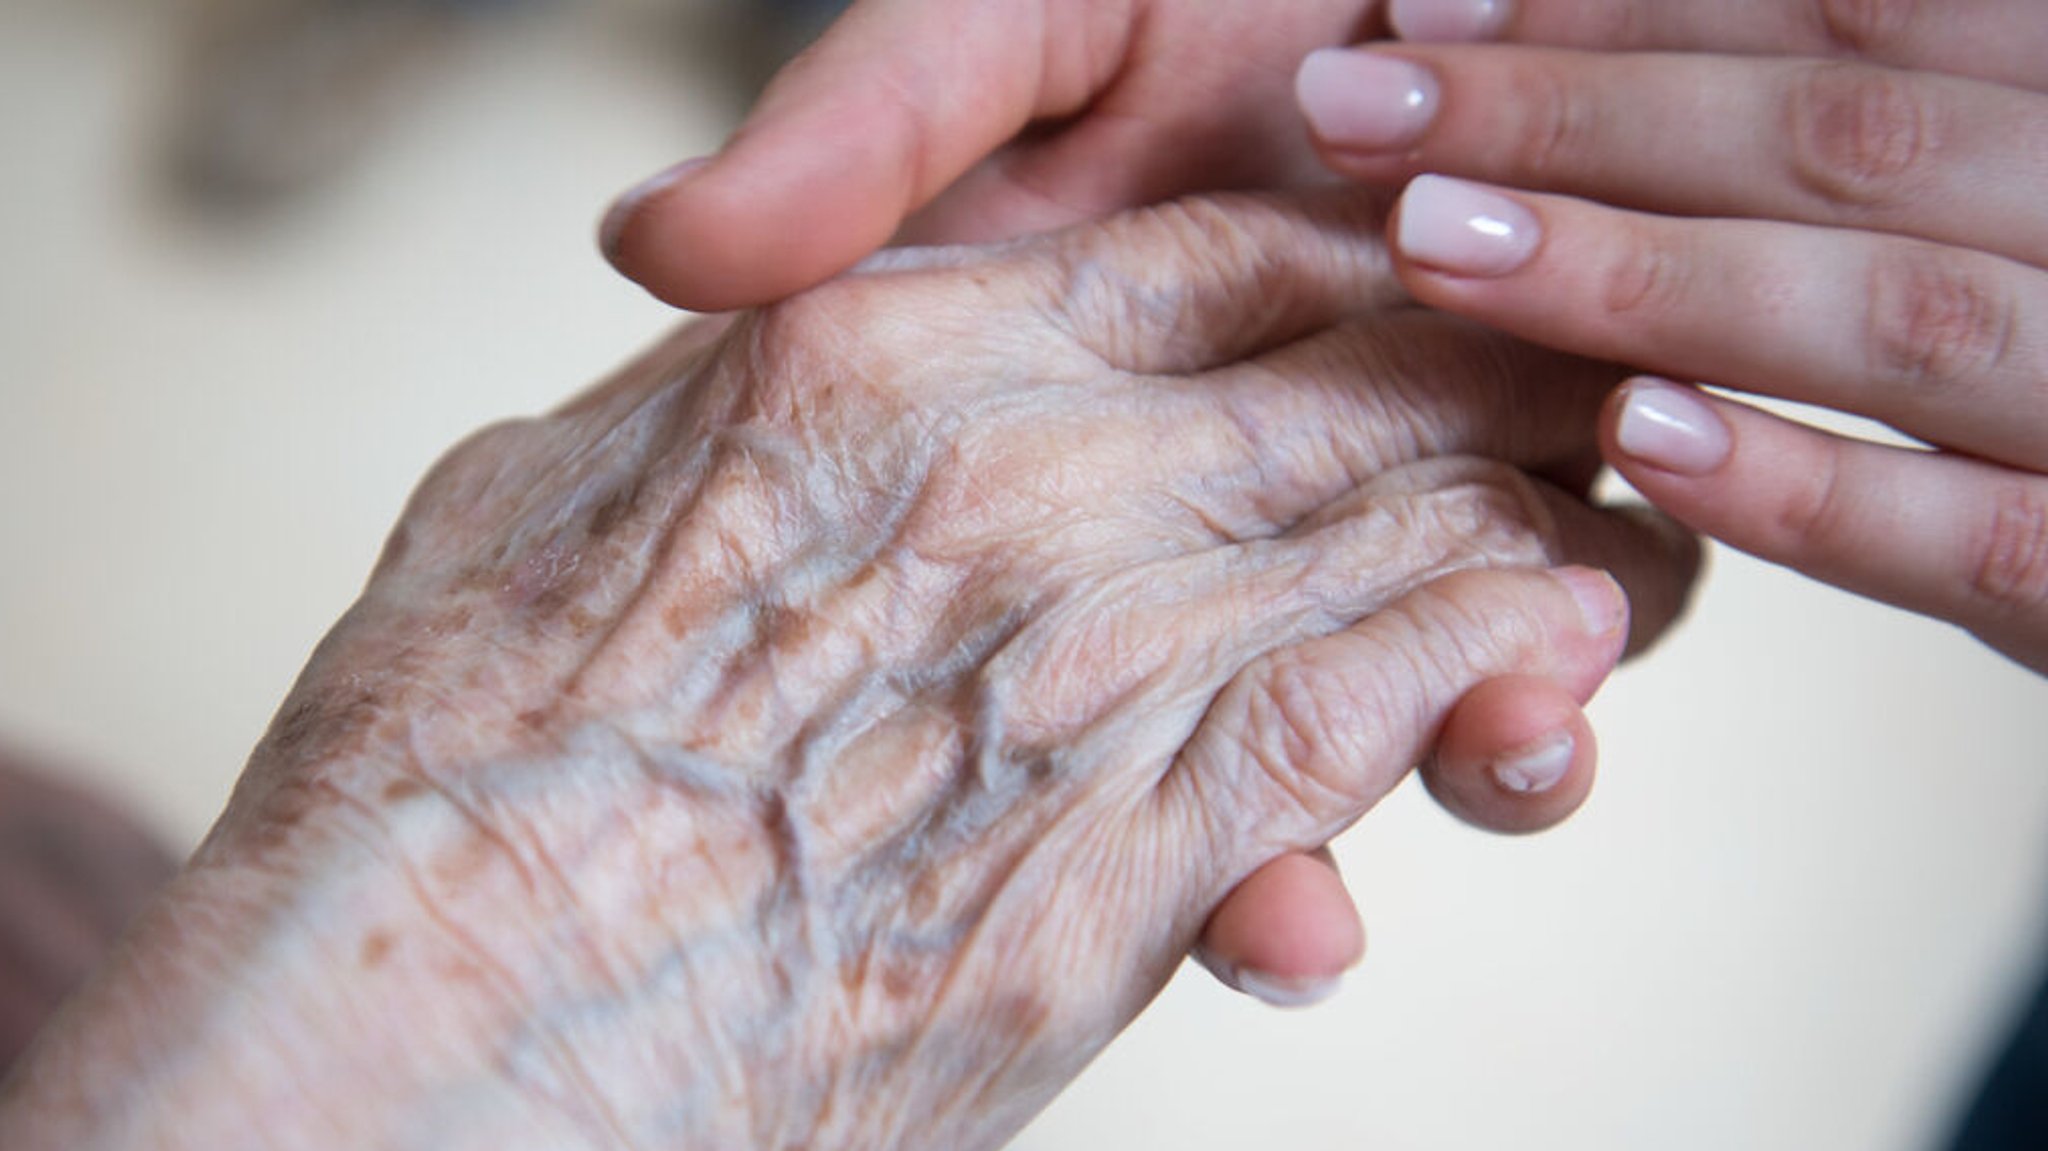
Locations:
1853 220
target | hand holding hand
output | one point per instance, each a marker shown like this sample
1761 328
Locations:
837 727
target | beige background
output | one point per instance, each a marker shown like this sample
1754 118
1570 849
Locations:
1794 916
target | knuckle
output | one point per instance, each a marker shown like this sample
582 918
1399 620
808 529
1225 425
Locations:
1560 125
1865 27
1140 317
817 323
1936 320
480 469
1496 517
1649 279
848 350
1814 510
2010 572
1292 739
1858 134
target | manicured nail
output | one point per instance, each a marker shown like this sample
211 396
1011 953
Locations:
1535 768
1365 100
1464 229
1603 606
621 212
1284 991
1671 428
1448 21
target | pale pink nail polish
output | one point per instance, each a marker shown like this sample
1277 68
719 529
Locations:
1365 100
1448 21
621 212
1671 428
1535 768
1464 229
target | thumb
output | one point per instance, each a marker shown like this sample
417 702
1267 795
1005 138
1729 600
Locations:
895 102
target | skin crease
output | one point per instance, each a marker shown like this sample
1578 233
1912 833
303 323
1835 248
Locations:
834 729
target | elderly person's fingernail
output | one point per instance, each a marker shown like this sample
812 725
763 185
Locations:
1603 606
1670 428
1366 101
1448 21
629 203
1285 991
1463 228
1534 768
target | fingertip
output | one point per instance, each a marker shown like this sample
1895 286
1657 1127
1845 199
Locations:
1286 934
1516 755
745 228
1664 426
1463 229
1448 21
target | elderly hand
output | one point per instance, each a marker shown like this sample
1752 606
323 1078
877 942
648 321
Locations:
1854 220
831 731
934 122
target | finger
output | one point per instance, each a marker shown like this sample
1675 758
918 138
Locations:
1306 740
1287 934
1937 342
1481 513
1405 385
895 101
1956 538
1199 104
1806 141
1516 755
1999 40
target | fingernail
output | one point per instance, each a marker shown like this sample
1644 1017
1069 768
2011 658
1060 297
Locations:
1365 100
621 212
1285 991
1448 21
1464 229
1670 428
1535 768
1603 606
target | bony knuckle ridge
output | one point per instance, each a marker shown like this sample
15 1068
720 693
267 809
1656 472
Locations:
1495 511
1860 133
1935 320
1290 736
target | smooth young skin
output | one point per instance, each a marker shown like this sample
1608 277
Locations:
834 729
1854 221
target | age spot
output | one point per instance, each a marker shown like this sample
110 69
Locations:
376 949
400 790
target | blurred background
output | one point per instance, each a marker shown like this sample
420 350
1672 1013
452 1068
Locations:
262 260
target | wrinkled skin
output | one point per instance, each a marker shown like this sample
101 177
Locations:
834 729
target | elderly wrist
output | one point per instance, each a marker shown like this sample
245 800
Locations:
288 989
